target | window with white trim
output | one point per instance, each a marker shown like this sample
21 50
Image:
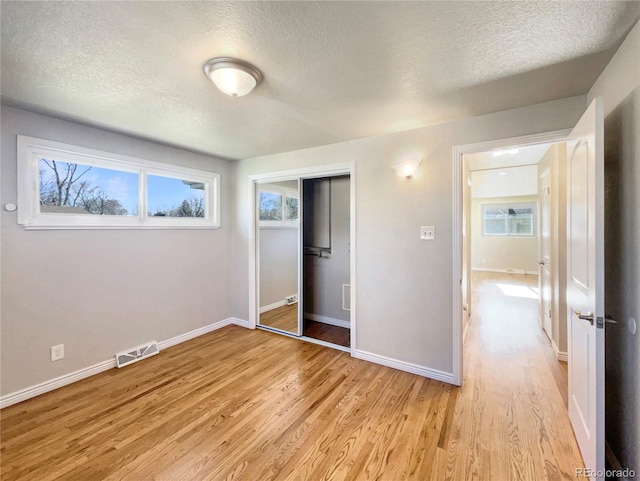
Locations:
277 206
64 186
516 219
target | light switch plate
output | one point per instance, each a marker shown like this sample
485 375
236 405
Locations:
427 232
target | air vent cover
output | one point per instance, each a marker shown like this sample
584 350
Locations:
135 354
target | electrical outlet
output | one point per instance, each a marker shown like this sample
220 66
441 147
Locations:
57 352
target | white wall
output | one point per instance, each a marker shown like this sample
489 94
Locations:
102 291
501 253
404 285
619 85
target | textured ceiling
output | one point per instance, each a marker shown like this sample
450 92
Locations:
333 71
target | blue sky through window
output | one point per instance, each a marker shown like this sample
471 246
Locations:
114 184
164 193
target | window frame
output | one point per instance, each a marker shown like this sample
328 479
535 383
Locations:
510 205
284 192
31 149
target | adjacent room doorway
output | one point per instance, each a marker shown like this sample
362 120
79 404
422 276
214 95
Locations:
583 168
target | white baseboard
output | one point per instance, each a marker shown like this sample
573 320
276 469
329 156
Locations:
275 305
66 379
240 322
187 336
327 320
504 271
55 383
404 366
561 356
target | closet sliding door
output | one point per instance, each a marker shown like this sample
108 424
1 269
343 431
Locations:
278 250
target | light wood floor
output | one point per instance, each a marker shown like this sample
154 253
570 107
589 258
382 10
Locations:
286 319
238 404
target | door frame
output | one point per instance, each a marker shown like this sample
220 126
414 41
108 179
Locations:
542 215
459 184
328 170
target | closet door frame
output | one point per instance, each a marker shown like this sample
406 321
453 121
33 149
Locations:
329 170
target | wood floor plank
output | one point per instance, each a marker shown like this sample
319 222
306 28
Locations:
284 318
240 404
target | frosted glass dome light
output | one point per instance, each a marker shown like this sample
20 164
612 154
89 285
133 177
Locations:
232 76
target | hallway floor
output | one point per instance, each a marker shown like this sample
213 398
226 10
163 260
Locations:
516 425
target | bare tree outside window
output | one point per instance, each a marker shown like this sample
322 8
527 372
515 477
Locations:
82 189
270 206
192 207
173 197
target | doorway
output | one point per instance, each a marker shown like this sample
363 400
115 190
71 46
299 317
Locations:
462 228
325 263
583 168
515 207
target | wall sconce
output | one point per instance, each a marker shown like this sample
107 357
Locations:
408 165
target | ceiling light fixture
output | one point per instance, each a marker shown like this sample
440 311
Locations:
233 76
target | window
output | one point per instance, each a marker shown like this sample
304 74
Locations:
270 207
277 206
515 220
62 186
72 188
291 209
171 197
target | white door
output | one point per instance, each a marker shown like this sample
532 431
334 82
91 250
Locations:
545 252
585 284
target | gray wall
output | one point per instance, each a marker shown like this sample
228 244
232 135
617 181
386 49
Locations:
102 291
619 85
324 276
404 285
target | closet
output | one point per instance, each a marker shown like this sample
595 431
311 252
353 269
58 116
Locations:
304 254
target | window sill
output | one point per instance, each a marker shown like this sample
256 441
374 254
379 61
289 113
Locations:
120 227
